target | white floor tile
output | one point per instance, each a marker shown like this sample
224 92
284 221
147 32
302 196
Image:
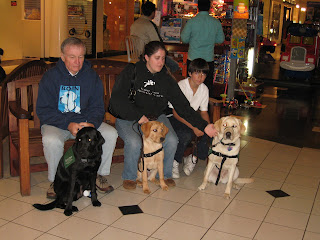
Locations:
15 231
287 218
122 198
269 231
255 196
208 201
11 209
314 224
239 226
294 204
213 234
301 180
179 231
299 191
176 194
159 207
311 236
195 216
77 228
141 223
9 187
119 234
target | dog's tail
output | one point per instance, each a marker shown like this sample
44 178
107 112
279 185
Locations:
45 207
244 180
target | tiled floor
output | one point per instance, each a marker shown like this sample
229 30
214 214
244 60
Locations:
184 212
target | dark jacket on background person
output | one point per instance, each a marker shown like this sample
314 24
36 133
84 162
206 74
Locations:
64 98
153 91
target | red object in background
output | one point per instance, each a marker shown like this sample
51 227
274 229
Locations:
14 3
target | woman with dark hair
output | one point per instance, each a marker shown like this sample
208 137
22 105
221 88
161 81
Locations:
153 87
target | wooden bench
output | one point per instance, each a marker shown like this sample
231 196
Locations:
25 139
27 69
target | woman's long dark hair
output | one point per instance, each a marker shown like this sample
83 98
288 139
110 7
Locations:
152 47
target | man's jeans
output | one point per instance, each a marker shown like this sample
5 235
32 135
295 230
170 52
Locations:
53 139
128 131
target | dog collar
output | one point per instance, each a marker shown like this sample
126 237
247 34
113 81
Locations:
225 144
153 153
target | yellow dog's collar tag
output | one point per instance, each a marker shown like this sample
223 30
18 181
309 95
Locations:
68 158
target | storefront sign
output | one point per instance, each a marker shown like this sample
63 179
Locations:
240 9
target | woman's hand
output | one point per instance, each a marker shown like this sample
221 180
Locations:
210 130
143 120
198 132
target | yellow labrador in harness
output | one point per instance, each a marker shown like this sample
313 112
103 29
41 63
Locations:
224 155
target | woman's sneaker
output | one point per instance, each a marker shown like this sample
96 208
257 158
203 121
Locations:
175 169
189 164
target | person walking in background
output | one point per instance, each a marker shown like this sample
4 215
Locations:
202 33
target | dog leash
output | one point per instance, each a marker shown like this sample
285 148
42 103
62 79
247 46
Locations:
224 158
141 158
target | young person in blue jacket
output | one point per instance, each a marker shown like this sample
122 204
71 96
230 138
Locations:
70 97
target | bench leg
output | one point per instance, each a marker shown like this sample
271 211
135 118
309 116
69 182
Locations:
25 186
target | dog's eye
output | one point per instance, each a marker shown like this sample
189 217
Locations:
89 139
224 125
79 139
234 126
155 130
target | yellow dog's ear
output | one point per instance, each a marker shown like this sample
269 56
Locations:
165 129
145 128
242 127
218 124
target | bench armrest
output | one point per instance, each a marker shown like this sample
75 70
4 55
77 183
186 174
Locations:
19 112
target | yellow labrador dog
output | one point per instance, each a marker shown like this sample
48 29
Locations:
223 158
154 134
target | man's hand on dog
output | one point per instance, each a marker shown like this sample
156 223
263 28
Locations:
143 120
75 127
210 130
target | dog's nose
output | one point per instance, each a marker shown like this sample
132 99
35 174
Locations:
162 139
228 135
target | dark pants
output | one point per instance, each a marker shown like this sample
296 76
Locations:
185 135
209 79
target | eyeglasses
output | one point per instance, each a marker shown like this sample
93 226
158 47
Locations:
200 74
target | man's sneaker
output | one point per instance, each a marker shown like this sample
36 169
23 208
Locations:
50 193
175 169
189 164
102 185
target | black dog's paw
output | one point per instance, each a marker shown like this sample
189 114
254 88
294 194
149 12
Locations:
75 209
96 203
67 212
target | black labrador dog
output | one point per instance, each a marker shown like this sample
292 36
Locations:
77 171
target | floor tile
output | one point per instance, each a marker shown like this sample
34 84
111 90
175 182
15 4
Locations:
277 165
3 222
11 209
38 177
77 228
9 187
269 231
114 180
47 236
38 195
219 190
263 184
294 204
247 210
122 198
316 208
208 201
309 171
302 180
179 231
236 225
117 168
311 236
195 216
176 194
41 220
119 234
159 207
270 174
249 160
144 224
105 214
255 196
213 234
299 191
314 224
287 218
190 183
15 231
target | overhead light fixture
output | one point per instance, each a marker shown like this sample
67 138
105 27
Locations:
303 9
297 6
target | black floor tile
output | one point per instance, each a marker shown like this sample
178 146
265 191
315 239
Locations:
133 209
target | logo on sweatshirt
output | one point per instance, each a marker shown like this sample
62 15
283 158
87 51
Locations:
149 83
69 99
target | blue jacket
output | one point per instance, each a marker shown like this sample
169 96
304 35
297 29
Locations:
63 98
202 32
